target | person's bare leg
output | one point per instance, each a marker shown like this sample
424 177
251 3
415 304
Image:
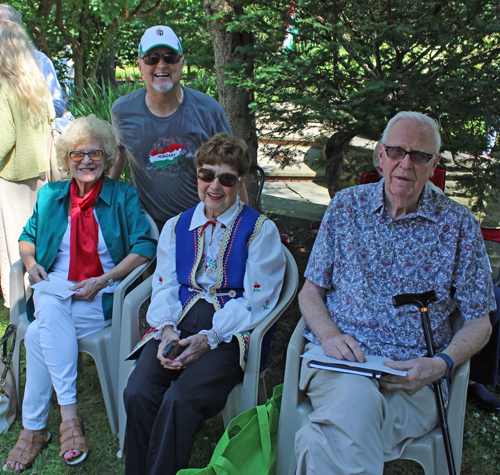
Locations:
70 411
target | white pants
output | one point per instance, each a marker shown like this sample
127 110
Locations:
52 352
355 426
17 200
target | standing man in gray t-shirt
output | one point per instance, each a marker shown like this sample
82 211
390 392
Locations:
160 128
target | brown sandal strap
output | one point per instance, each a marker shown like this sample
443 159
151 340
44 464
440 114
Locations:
72 436
27 448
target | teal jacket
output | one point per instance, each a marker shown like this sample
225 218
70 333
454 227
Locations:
124 226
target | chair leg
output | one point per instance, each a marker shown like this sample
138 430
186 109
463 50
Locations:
108 394
16 367
262 392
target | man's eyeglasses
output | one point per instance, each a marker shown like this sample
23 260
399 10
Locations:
417 157
94 155
225 179
154 58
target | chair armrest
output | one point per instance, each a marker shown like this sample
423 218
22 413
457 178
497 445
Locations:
121 290
17 293
290 414
292 368
126 282
456 408
118 300
252 370
130 333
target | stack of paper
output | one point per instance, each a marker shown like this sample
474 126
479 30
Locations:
373 368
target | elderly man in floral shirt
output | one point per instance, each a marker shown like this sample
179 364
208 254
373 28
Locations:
376 241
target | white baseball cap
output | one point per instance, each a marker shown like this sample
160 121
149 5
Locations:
159 36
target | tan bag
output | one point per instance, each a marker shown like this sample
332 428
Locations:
8 398
54 174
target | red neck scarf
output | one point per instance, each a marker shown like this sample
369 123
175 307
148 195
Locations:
84 259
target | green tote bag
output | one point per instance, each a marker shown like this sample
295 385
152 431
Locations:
248 447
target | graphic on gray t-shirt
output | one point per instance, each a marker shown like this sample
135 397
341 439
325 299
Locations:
161 150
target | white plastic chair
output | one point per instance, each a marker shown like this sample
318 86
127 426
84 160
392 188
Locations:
245 395
427 450
102 345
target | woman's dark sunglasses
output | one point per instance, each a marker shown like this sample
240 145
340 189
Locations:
225 179
154 58
417 157
94 155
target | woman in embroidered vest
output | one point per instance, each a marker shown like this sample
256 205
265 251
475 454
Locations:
220 271
92 232
25 105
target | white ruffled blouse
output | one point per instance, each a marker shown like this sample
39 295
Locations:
265 269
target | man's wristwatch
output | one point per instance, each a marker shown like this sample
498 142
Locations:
449 363
110 280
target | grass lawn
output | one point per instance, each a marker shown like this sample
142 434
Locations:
481 454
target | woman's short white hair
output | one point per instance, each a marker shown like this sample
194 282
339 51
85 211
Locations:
422 118
83 129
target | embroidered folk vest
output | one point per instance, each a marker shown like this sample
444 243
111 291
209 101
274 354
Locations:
231 261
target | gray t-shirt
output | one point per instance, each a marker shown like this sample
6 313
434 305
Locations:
161 150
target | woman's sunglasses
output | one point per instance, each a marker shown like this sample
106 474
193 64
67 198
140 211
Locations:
154 58
94 155
225 179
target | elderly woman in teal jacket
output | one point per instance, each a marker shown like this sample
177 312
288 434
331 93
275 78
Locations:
91 232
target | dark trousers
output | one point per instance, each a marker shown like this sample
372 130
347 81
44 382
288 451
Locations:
166 408
484 365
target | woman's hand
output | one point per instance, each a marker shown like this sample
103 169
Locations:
88 289
168 335
196 346
37 273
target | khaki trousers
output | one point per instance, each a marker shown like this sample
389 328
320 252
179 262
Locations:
17 200
355 426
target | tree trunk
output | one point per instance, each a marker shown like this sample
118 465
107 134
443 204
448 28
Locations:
234 100
106 69
78 66
38 27
334 155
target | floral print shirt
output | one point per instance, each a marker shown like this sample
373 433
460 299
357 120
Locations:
363 258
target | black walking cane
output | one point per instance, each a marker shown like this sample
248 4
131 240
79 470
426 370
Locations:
422 300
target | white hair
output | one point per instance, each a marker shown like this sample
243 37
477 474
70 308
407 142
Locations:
9 13
417 116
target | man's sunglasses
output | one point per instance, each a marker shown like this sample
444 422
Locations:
225 179
94 155
154 58
417 157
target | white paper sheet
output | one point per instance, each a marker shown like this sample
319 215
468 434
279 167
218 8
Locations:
55 286
374 363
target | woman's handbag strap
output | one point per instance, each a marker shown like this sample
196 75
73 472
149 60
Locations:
7 358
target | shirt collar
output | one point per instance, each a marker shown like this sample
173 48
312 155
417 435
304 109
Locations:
105 194
429 204
64 190
378 197
106 191
226 218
